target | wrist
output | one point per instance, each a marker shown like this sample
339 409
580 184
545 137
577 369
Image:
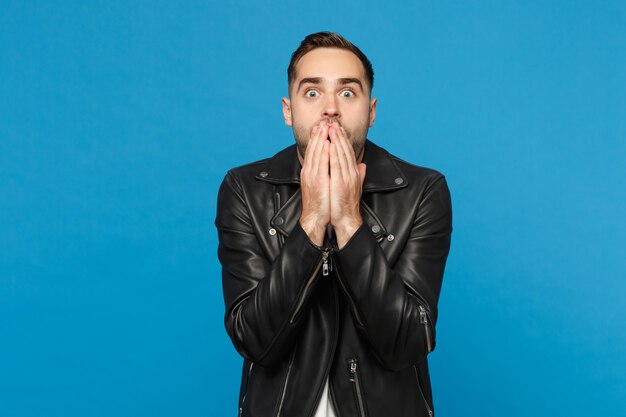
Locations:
345 229
314 231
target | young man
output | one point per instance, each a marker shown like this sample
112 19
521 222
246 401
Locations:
333 253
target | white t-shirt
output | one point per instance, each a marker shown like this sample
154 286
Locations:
325 407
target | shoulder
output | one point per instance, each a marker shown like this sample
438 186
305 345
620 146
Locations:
428 185
262 170
283 167
416 176
248 170
418 173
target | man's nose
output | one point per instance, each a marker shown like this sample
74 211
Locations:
331 108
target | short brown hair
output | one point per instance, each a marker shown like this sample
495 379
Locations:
327 40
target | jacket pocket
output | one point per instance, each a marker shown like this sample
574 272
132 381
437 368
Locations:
355 379
321 265
421 390
428 328
426 321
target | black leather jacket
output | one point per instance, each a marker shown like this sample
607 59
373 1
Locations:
364 315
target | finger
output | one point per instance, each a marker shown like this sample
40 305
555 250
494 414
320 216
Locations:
314 143
335 169
321 125
325 160
362 170
350 155
341 156
310 150
349 148
320 136
321 167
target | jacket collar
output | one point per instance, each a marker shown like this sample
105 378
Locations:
284 168
382 173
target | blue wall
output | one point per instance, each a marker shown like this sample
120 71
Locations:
119 119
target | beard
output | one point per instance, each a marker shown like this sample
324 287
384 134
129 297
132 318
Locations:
356 138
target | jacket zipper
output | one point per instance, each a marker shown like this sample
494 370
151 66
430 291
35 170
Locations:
352 304
419 386
282 396
281 238
354 378
324 265
245 394
426 322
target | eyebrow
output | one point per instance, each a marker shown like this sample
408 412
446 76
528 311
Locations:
340 81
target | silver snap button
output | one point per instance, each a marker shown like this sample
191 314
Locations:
279 221
272 231
399 180
390 238
376 228
263 174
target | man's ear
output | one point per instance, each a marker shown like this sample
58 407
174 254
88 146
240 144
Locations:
287 111
372 111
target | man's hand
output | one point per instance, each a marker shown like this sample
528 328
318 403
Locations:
315 185
346 184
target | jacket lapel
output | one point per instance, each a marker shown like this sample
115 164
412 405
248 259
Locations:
382 172
288 215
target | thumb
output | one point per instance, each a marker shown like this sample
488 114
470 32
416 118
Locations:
362 168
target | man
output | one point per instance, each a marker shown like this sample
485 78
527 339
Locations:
333 254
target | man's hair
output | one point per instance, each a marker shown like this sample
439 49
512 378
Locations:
327 40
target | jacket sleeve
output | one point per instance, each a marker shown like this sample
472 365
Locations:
264 298
396 306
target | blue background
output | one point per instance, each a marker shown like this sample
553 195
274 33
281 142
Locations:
118 121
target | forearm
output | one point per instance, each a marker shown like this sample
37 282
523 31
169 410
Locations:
384 307
396 305
263 317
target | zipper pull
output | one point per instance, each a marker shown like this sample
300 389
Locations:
325 266
352 370
423 317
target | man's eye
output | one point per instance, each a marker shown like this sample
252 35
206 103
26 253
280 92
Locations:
311 93
347 93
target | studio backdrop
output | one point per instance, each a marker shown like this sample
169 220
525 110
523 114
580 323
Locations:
119 120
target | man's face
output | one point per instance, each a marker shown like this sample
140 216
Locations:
330 85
